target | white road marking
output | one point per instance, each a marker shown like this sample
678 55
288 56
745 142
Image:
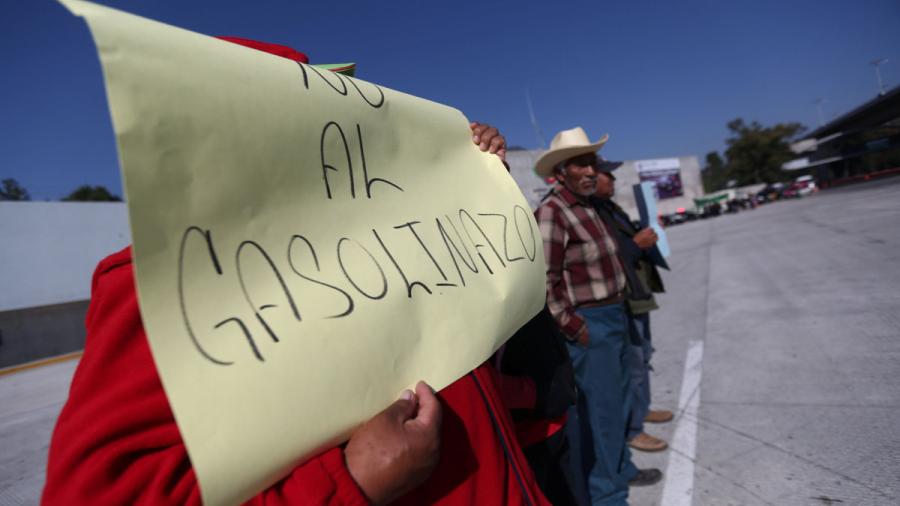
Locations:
679 485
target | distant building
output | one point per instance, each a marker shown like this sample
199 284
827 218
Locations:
49 252
861 142
677 180
521 168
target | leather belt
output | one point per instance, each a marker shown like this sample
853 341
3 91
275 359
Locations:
612 299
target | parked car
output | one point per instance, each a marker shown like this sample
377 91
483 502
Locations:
805 185
771 193
790 193
681 215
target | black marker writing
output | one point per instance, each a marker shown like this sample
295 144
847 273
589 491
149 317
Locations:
517 211
369 182
342 91
207 236
410 225
326 167
505 231
257 309
409 286
343 80
340 258
463 212
247 335
358 269
312 251
375 105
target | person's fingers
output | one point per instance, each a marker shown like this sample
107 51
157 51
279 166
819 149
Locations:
403 408
430 413
478 130
502 153
497 143
487 137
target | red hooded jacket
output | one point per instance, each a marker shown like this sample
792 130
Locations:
116 441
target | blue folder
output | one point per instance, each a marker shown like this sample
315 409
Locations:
645 198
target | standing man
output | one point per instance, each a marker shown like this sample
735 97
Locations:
585 293
640 259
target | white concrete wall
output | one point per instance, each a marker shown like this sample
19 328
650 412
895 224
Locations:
691 181
521 168
48 250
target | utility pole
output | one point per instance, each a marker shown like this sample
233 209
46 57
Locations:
819 102
877 63
534 123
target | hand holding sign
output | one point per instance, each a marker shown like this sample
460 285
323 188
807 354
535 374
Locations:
488 139
645 238
397 450
645 199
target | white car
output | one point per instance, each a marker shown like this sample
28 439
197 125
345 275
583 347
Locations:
805 185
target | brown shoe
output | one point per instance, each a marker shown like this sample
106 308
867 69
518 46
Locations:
659 416
647 443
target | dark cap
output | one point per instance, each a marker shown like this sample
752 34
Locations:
604 165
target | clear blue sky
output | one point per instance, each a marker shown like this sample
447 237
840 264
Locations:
661 77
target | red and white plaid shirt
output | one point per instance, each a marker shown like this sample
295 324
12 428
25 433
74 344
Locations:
582 257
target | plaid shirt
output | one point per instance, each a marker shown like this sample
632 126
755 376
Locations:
582 257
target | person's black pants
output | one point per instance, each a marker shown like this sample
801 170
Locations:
549 460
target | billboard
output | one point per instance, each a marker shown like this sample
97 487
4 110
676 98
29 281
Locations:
664 174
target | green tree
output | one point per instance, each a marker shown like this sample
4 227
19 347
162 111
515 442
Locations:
714 162
755 153
12 190
715 174
88 193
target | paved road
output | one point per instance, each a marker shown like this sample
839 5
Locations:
797 305
29 404
796 309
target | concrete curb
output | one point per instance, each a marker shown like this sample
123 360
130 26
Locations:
41 363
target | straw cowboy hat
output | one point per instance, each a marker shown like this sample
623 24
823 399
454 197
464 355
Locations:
566 144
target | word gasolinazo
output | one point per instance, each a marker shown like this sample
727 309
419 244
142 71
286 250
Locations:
461 245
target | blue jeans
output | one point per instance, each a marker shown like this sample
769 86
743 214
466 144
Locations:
597 423
639 326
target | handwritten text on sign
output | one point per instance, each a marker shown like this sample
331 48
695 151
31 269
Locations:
303 259
306 244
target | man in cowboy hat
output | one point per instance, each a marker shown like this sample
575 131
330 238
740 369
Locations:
585 292
640 259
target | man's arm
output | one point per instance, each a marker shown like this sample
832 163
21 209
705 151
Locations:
553 232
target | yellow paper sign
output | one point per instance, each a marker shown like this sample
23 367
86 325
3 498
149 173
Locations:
306 244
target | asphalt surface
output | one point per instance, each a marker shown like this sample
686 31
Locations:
797 307
29 404
797 304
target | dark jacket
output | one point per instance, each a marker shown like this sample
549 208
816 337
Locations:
640 265
538 351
